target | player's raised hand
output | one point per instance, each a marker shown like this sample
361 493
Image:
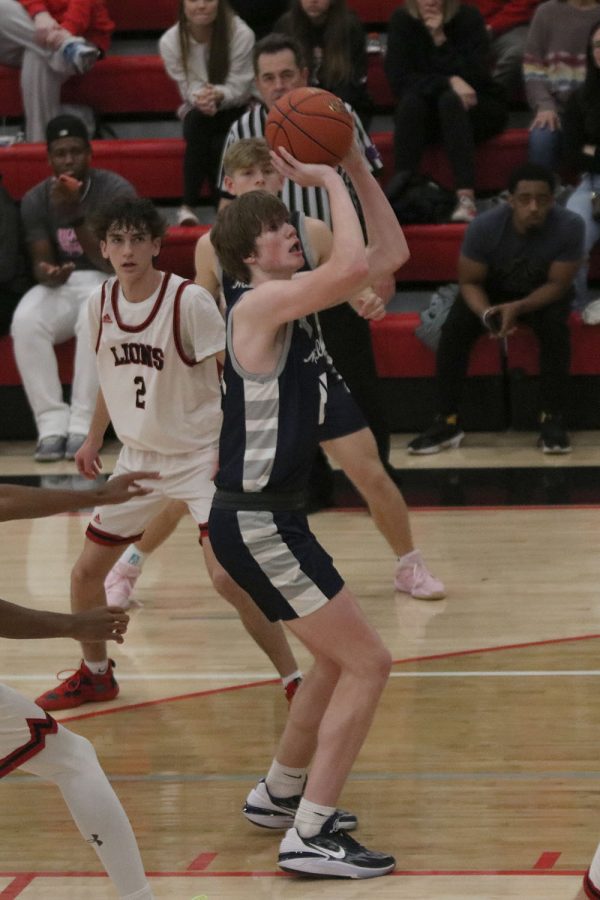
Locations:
304 174
105 623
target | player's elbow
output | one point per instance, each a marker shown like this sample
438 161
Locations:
354 271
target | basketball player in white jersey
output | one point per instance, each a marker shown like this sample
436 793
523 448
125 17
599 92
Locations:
247 167
158 341
36 743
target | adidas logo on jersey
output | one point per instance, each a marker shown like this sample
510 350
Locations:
106 319
97 519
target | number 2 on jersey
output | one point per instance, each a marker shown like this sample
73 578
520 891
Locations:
140 393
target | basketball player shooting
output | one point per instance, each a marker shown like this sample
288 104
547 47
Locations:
273 402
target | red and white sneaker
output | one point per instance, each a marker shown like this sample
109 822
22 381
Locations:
291 688
414 578
119 585
80 687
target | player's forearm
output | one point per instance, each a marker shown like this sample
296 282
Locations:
20 622
387 247
348 256
100 420
18 502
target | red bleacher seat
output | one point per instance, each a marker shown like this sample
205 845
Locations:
400 354
375 12
523 349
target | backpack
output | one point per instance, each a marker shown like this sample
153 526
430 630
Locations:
420 200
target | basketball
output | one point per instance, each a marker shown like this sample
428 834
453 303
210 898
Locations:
312 124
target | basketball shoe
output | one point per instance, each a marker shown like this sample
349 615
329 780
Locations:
414 578
79 688
263 809
331 852
119 585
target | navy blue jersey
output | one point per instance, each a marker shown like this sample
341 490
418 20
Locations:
270 422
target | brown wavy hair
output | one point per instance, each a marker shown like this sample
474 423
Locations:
218 46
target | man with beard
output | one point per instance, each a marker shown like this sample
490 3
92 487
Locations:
517 264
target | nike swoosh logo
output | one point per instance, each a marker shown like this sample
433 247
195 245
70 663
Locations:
335 854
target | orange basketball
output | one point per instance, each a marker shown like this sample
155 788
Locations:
313 125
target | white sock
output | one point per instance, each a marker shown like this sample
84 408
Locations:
409 559
285 781
289 678
97 668
133 556
310 818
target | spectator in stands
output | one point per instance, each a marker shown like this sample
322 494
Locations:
68 265
553 68
334 44
279 68
50 40
259 15
507 24
517 264
14 276
581 124
437 63
208 53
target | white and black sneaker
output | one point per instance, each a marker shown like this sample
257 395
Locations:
331 853
263 809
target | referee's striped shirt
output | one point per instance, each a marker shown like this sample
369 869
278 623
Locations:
312 201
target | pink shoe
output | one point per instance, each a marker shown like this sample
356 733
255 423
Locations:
119 585
413 577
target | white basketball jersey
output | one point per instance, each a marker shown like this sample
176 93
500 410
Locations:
160 386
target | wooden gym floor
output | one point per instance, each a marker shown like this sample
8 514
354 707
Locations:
482 771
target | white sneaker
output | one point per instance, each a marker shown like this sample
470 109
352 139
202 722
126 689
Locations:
331 853
187 217
465 210
414 578
119 585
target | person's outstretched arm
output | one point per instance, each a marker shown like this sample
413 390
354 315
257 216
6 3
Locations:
104 623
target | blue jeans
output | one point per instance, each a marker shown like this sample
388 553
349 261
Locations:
545 147
580 202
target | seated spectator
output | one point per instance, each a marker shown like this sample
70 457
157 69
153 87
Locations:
50 40
437 63
517 264
553 68
581 123
507 23
68 265
334 44
14 276
208 53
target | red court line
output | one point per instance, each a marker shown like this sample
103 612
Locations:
547 860
17 886
398 662
202 861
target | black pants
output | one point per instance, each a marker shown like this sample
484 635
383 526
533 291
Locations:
348 340
462 327
420 120
204 139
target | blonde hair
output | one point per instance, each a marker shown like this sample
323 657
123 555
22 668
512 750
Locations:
449 8
245 153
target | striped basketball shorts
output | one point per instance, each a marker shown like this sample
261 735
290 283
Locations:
276 558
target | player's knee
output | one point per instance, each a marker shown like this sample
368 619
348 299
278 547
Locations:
65 754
